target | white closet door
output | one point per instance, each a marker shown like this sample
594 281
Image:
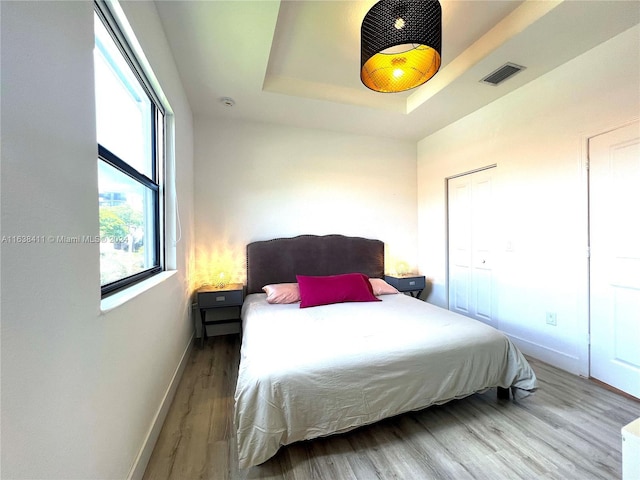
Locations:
471 229
614 230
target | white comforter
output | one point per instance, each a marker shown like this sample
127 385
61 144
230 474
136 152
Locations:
306 373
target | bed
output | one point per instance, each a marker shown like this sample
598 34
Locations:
311 372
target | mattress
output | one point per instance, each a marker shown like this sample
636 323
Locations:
306 373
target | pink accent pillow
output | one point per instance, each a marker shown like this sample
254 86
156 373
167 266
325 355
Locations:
282 293
349 287
380 287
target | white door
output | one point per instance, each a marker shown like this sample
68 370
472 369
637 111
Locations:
471 228
614 231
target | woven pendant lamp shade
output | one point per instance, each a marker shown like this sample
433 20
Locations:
400 44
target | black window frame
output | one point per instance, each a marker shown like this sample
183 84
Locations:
155 183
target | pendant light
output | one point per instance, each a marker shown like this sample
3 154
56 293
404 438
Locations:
400 44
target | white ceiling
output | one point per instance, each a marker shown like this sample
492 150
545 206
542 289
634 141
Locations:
297 62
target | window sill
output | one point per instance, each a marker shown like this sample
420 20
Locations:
120 298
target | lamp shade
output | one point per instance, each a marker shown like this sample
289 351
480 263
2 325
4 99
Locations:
401 41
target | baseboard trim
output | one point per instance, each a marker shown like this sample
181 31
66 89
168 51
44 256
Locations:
561 360
141 461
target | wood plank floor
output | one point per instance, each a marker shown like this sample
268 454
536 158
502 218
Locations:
570 429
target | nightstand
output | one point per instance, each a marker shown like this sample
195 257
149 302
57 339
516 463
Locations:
407 284
224 306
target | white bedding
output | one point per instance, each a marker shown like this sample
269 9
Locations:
310 372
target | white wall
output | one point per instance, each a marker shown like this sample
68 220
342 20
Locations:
257 181
537 137
81 388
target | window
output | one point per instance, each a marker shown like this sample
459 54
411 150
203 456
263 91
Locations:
130 131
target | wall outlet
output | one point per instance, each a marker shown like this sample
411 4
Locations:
552 319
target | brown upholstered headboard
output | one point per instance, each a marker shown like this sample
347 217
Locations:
281 259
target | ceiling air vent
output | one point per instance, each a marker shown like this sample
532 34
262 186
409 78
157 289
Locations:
498 76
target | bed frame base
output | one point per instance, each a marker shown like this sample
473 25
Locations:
503 393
